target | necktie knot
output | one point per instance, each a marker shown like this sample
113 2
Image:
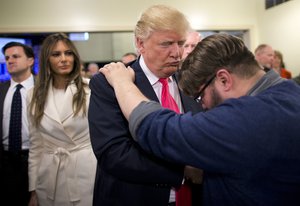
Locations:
19 86
164 81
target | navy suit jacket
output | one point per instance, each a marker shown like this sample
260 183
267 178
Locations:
4 86
127 175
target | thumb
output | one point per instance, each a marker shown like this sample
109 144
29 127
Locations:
131 72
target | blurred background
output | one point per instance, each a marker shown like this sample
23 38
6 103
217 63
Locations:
102 30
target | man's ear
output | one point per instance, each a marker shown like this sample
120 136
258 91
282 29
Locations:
30 61
224 79
139 44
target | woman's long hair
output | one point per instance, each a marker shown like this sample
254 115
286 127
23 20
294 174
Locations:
45 75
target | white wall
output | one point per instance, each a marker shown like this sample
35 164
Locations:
122 42
280 27
103 15
119 15
98 48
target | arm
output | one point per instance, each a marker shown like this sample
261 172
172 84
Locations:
34 154
206 140
117 153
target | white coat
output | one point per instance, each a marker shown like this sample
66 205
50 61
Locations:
62 165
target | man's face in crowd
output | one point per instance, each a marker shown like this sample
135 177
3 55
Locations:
191 42
162 52
16 60
266 57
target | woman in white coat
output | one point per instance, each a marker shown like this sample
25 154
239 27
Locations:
62 164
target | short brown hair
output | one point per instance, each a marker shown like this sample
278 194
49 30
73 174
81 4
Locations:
211 54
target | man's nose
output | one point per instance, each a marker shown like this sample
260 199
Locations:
176 50
9 59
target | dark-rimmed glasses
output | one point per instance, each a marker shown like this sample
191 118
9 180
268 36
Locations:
199 95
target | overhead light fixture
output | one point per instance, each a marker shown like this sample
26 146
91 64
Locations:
82 36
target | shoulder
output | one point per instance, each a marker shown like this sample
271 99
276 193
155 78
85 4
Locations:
4 83
286 74
4 86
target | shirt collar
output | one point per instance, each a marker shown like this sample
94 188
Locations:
150 76
27 84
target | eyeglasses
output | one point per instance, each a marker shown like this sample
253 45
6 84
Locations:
199 96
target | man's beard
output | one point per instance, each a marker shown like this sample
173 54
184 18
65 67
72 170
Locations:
215 98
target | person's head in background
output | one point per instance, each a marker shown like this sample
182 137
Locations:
159 36
264 55
59 59
19 59
220 67
84 72
278 61
60 65
193 38
92 69
279 66
128 57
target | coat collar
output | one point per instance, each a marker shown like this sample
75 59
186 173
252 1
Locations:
67 110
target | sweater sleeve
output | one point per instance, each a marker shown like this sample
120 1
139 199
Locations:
139 113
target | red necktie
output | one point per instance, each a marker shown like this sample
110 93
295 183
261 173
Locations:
167 100
183 193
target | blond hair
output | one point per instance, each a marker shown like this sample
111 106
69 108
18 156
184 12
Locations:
161 18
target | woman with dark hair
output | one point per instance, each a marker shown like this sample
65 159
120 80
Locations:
279 66
62 164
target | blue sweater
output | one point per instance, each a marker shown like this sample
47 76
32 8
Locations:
248 147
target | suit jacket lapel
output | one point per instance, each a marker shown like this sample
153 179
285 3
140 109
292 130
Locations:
3 90
143 83
50 107
66 111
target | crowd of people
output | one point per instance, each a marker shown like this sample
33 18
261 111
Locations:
183 121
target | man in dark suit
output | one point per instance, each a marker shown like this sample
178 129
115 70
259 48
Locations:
127 175
14 164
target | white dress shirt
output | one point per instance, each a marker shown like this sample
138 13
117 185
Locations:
157 87
27 84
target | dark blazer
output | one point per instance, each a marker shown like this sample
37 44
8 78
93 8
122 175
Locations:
4 86
127 175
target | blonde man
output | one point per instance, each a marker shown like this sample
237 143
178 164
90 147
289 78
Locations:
127 174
